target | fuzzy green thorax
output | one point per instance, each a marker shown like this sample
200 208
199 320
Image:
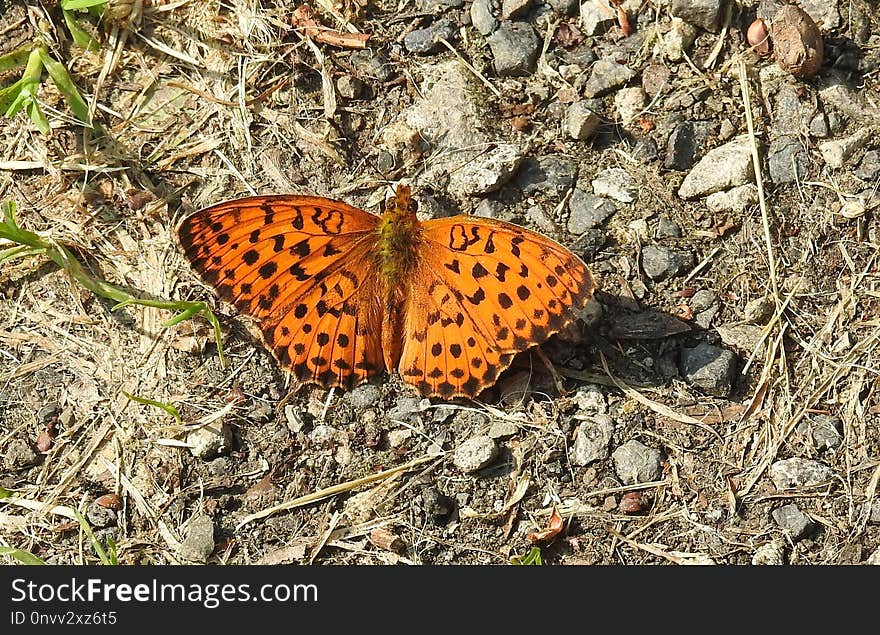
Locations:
399 233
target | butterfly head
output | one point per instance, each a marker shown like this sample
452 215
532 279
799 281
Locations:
402 203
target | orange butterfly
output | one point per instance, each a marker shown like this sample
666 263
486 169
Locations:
341 294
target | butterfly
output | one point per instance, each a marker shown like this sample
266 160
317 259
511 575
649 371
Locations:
341 295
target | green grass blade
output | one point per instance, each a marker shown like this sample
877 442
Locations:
25 557
69 5
62 80
96 544
158 404
14 59
532 558
80 36
5 493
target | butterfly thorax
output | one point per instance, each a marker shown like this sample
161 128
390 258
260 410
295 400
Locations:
399 235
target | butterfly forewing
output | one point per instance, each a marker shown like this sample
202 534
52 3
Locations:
302 267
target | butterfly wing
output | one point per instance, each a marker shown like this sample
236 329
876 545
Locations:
302 267
483 291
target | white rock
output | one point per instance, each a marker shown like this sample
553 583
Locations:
736 199
615 183
837 151
629 102
798 472
592 440
596 13
722 168
475 454
487 172
210 441
580 122
678 39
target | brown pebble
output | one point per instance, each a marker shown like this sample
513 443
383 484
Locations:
797 42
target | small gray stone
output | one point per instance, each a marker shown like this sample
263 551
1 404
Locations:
616 183
372 64
874 558
488 172
798 472
869 168
515 47
427 41
823 12
586 211
596 16
678 40
838 151
666 228
759 310
199 542
489 208
363 397
210 441
580 121
551 174
503 429
513 9
588 244
681 147
636 463
705 14
475 454
736 199
592 439
744 337
407 409
100 516
20 454
432 6
787 159
645 150
396 438
874 514
482 17
564 7
660 262
702 300
437 505
591 400
606 76
819 126
709 368
771 553
350 87
794 521
629 103
722 168
825 432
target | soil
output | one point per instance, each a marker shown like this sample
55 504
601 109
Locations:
715 403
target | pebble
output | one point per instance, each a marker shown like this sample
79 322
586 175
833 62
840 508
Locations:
869 167
596 16
407 409
824 431
702 300
819 126
666 228
785 155
794 521
709 368
705 14
874 514
759 310
564 7
616 183
678 40
396 438
645 150
737 199
512 9
515 47
588 244
722 168
592 440
475 454
654 78
488 172
363 396
199 542
636 463
629 103
427 41
210 441
580 121
99 516
771 553
823 12
797 472
551 174
606 76
659 262
744 337
350 87
586 211
489 208
372 64
20 454
591 400
681 147
874 558
437 505
432 6
482 17
502 430
837 151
